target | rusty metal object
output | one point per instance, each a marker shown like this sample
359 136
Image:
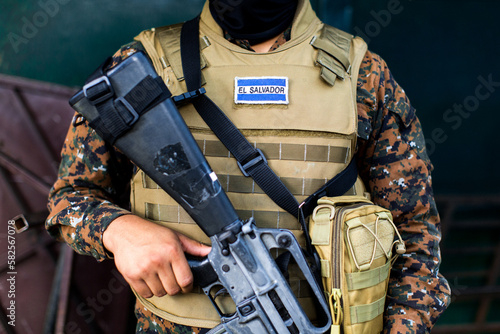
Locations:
58 303
9 163
34 120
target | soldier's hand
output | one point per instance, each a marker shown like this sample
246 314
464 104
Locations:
151 257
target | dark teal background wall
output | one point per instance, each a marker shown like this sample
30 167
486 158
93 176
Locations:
75 36
441 52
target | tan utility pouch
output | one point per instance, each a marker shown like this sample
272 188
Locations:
355 241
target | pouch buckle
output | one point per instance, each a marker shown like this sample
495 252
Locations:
102 94
324 206
260 157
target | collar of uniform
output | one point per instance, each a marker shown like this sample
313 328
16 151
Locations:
304 19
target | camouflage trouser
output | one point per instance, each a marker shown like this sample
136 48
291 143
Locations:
147 322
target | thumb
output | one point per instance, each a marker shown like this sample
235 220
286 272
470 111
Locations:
193 247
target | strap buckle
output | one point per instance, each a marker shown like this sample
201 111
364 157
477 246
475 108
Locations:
78 119
259 158
188 96
134 115
96 93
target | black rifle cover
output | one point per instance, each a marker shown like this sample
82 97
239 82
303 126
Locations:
160 143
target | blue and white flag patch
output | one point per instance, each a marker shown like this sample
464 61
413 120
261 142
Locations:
261 90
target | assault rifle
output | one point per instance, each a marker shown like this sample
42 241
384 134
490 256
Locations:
130 107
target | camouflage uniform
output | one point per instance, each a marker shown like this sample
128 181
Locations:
392 162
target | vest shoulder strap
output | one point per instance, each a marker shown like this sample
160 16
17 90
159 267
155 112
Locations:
169 38
334 47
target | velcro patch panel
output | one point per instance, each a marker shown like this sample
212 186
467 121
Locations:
261 90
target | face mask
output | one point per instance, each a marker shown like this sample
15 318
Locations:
253 20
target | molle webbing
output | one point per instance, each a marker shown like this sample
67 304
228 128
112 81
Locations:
242 185
286 155
313 153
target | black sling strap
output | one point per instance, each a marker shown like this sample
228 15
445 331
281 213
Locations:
250 159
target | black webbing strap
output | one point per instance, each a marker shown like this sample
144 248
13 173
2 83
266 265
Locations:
337 186
251 160
190 53
145 93
118 114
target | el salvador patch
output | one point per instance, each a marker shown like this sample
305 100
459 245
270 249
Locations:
261 90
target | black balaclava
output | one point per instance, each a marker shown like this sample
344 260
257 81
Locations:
253 20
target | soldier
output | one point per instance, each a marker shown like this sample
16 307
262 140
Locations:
358 109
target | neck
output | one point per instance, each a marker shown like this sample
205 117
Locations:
264 46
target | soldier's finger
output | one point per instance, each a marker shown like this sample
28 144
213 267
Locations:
183 274
193 247
155 284
142 288
169 282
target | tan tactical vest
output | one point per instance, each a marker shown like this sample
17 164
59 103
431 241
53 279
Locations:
307 137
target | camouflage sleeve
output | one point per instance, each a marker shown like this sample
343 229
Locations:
394 165
125 51
91 189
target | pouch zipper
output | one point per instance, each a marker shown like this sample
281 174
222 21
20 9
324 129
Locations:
337 243
335 297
